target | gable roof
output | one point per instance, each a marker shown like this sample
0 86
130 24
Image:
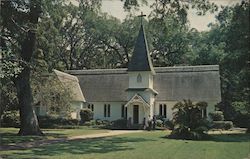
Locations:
141 60
198 83
139 99
71 82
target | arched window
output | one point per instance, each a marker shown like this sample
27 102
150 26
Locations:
139 78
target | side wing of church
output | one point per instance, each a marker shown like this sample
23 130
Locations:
141 91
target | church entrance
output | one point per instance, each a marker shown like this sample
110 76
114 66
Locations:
136 114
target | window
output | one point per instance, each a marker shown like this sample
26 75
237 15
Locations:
106 110
126 112
123 109
91 107
204 113
139 78
160 110
163 110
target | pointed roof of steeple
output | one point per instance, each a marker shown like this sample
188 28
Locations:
141 60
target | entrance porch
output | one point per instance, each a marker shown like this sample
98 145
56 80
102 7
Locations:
138 110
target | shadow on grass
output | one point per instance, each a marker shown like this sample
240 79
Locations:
87 146
220 138
230 137
10 138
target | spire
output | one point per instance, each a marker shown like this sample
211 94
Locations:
141 60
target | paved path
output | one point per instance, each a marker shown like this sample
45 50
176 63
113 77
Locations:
27 145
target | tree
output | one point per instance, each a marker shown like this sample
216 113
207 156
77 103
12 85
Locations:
19 27
227 44
206 48
20 19
234 25
48 91
169 42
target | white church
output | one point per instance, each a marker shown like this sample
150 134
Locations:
141 91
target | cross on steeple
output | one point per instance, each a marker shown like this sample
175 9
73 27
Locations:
141 16
141 60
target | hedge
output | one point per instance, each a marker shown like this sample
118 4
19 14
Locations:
10 119
56 122
217 116
86 115
225 125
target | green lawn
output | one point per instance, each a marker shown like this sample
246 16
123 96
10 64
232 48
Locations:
8 136
145 145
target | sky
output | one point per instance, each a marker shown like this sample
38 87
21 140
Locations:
115 8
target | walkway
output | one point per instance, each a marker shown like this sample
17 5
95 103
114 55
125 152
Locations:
39 143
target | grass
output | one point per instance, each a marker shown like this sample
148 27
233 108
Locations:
145 145
8 136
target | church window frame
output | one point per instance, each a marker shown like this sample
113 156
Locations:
204 113
91 107
163 110
107 111
123 111
139 78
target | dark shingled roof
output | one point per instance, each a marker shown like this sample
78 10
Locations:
141 60
198 83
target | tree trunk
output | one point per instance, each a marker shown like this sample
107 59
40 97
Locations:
28 118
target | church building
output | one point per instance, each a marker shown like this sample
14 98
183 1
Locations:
141 91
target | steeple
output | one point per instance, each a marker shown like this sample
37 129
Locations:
141 60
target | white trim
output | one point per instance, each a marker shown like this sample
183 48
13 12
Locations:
137 98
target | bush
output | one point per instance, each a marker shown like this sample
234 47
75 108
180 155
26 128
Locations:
106 122
169 124
159 123
248 130
120 123
242 120
224 125
10 119
86 115
182 132
160 117
56 122
217 116
188 122
98 122
90 123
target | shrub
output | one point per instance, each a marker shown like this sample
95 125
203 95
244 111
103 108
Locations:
106 122
98 122
10 119
217 116
120 123
224 125
56 122
248 130
242 120
159 123
90 123
188 122
86 115
183 132
160 117
169 124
